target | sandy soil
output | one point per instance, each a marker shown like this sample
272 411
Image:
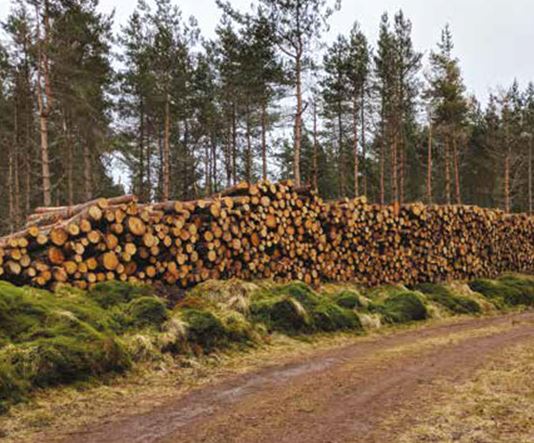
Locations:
339 395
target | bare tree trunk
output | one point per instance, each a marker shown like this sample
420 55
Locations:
364 147
87 172
207 174
315 179
264 141
341 158
298 119
507 182
356 159
429 165
530 175
44 101
70 162
234 144
456 171
394 169
141 189
447 173
382 169
228 156
248 153
10 191
213 164
402 163
166 152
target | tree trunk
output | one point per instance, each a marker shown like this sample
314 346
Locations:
355 147
364 147
141 188
447 173
10 190
402 162
44 101
382 168
341 158
429 165
87 172
248 153
507 183
264 141
315 180
298 120
234 144
530 175
394 170
166 152
456 172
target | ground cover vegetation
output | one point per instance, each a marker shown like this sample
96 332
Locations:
73 336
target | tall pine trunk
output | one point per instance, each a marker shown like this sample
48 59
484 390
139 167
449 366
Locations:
166 151
341 157
248 153
315 180
364 147
457 194
429 166
355 147
234 144
298 118
44 100
264 141
394 170
447 172
87 171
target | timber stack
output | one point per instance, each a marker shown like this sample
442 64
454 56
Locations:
264 230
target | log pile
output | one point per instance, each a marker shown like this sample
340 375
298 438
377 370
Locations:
264 230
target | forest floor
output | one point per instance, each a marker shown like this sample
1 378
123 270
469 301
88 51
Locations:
465 380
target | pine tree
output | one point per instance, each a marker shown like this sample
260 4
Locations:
449 108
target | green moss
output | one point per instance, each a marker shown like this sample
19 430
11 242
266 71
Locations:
445 297
281 313
147 311
204 329
113 293
402 307
507 291
330 317
348 299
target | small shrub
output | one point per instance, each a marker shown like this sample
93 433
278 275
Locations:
455 303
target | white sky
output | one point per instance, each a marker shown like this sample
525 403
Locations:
493 38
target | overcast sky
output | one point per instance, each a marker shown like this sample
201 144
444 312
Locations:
493 38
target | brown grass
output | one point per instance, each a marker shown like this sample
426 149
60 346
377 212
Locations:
496 405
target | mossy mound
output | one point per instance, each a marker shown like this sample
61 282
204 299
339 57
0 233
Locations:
295 308
114 293
147 311
506 291
281 313
51 339
445 297
402 307
348 299
330 317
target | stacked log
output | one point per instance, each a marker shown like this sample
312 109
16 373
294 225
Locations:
264 230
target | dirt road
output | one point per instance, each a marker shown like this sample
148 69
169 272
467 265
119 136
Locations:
338 395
